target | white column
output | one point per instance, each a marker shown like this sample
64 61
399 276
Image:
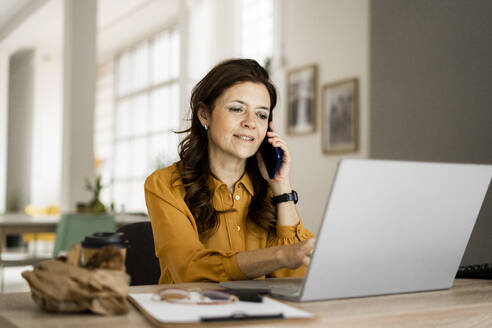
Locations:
79 79
19 135
3 129
47 128
185 83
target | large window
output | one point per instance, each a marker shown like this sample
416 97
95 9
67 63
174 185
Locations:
146 112
257 29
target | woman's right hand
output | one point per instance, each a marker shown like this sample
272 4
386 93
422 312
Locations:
264 261
281 183
294 255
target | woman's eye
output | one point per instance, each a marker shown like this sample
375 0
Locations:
235 109
263 116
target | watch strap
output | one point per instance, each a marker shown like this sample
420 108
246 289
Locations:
292 196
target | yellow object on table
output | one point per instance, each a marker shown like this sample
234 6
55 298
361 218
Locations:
45 236
40 211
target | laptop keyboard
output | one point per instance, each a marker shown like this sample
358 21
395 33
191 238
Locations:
281 286
286 290
476 271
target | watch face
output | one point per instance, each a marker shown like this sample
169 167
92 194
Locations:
294 194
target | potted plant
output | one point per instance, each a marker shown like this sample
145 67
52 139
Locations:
95 206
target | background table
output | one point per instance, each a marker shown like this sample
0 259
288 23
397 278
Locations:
468 303
11 224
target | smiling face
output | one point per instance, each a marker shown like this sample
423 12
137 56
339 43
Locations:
238 122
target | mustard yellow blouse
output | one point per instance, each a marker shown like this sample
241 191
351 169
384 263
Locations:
183 256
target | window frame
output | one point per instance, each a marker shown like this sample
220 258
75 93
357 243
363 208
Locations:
150 86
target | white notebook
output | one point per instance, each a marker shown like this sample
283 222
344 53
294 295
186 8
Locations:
162 312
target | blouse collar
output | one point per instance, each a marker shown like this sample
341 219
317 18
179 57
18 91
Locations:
245 181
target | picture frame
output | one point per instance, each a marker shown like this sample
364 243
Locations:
302 86
340 116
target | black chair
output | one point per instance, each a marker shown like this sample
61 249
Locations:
141 263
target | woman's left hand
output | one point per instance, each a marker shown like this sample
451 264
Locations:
281 182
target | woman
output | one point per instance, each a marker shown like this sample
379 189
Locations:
212 213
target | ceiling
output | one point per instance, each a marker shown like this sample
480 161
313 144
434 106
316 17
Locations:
122 23
13 13
39 23
9 9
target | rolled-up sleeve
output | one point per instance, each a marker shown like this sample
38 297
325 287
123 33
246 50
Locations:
177 243
286 235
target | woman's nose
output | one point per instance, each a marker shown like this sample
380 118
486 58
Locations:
249 121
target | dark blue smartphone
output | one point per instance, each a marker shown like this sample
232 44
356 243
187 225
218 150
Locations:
272 156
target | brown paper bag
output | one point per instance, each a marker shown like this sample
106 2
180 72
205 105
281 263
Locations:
62 287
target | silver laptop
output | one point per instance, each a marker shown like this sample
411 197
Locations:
389 227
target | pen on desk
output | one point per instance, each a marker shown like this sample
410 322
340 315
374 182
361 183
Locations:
243 316
249 295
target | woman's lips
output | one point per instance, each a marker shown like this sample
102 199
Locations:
244 137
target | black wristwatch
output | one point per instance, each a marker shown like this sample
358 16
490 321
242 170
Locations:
285 198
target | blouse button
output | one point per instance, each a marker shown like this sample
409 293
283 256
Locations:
237 197
238 228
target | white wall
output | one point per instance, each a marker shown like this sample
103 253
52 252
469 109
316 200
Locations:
335 35
20 118
47 117
3 128
200 39
210 35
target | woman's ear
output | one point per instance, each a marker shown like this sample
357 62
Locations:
203 115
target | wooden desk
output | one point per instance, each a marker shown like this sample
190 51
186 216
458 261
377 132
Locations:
468 303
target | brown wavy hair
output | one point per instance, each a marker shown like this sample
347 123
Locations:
193 149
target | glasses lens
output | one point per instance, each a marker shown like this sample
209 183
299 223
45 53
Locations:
183 296
173 294
216 295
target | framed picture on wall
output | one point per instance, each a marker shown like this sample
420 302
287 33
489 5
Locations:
340 117
301 99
